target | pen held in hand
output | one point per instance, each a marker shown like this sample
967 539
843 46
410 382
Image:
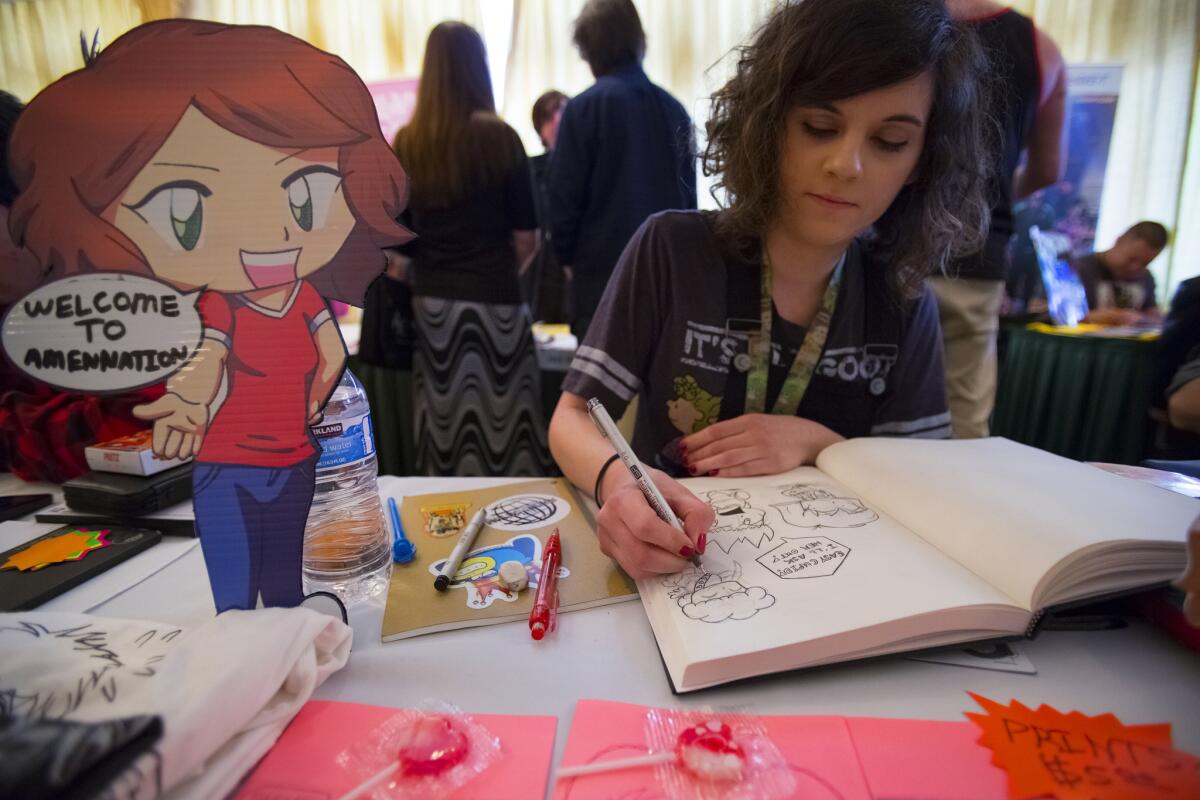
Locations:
608 429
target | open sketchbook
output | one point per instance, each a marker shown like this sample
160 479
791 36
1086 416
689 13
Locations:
894 545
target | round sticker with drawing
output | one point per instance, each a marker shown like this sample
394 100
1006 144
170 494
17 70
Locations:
525 511
102 332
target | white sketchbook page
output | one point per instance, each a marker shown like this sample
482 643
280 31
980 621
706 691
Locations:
1006 511
869 570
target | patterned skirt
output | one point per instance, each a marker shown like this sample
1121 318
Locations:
476 386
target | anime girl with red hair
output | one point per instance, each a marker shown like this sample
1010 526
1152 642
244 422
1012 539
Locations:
246 164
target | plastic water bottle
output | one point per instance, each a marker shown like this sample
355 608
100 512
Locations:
347 546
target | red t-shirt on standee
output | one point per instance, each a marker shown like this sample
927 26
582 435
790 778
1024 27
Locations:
263 421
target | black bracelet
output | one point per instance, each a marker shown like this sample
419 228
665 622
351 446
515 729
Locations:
600 477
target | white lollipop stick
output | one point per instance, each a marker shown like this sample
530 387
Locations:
613 766
371 782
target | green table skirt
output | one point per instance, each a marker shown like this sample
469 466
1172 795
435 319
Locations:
1082 397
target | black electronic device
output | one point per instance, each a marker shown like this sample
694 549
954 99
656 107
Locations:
117 495
15 506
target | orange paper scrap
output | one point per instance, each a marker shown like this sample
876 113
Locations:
1069 756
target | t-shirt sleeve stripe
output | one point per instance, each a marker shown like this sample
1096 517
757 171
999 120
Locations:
217 336
319 320
912 426
604 377
610 364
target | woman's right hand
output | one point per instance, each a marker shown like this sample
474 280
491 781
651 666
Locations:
632 534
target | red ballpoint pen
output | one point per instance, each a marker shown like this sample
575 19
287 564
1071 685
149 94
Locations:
544 615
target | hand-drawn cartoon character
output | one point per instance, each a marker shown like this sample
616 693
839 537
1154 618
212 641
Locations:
816 507
243 163
716 598
737 520
692 410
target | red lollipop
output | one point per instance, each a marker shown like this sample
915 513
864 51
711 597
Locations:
708 751
432 745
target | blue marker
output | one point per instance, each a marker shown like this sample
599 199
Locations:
403 550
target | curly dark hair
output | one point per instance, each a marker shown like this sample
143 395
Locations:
821 51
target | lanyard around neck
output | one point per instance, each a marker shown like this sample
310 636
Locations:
801 372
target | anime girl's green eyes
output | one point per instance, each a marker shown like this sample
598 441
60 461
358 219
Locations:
175 212
309 191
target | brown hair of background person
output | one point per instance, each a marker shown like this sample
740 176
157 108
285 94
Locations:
454 139
831 52
609 35
544 109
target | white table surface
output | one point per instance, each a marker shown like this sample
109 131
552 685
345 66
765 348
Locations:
609 653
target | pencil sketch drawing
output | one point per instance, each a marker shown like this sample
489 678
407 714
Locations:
737 520
817 507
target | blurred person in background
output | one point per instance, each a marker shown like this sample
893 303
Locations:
1028 103
625 150
1120 288
542 281
475 376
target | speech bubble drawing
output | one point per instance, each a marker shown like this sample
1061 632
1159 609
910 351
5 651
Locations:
102 332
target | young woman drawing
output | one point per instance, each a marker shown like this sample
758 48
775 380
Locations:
849 147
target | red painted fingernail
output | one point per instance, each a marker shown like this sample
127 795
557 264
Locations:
712 474
691 470
703 542
686 551
682 449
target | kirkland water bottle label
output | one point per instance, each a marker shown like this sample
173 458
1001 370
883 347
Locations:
345 442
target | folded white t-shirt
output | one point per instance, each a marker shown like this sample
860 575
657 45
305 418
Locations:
225 690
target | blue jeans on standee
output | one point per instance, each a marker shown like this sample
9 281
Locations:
250 521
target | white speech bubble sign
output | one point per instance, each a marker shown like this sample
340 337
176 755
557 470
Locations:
102 332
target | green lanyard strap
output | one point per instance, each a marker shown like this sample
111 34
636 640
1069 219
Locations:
801 372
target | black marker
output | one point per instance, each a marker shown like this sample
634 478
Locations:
442 581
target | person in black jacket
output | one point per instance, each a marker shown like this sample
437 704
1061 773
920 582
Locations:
625 150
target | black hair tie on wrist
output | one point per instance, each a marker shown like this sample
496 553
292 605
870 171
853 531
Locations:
600 477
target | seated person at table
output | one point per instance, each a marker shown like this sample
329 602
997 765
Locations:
1183 396
1180 343
847 185
1120 289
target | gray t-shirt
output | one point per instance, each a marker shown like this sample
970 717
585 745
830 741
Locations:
665 331
1104 291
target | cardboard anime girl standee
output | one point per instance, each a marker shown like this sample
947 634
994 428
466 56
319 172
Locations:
243 166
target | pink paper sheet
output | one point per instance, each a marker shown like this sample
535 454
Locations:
302 764
830 757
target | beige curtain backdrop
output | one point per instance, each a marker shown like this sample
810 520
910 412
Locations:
39 39
378 38
1156 41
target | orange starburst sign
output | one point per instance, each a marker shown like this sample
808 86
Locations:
69 546
1076 757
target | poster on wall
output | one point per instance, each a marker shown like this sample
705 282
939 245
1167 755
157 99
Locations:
1067 211
394 102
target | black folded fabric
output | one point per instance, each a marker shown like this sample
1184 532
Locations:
79 760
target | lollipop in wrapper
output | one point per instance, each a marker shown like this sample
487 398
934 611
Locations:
709 752
706 751
428 747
